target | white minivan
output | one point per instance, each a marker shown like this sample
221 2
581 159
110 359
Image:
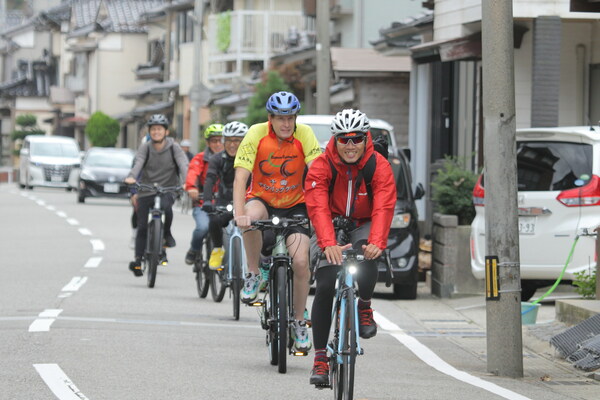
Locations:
558 174
50 161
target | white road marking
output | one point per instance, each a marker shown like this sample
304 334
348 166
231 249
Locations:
41 203
72 221
51 208
433 360
85 232
97 245
64 295
75 284
58 382
61 214
46 318
93 262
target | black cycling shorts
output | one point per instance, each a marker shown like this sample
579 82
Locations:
295 211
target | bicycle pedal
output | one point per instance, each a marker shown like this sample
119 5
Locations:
323 386
256 303
297 353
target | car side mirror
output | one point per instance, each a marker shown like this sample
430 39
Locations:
406 152
419 191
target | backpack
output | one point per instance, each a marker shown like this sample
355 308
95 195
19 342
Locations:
381 146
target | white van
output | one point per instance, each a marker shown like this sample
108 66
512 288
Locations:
321 126
50 161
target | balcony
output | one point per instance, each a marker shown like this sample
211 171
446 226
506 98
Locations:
244 41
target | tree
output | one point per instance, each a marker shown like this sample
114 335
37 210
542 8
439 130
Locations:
102 130
26 125
272 82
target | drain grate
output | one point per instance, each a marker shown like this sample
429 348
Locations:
568 341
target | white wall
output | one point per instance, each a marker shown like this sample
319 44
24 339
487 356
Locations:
523 65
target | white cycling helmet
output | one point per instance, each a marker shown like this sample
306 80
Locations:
235 129
349 121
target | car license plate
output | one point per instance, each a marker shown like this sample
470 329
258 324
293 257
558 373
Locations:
111 188
56 178
526 225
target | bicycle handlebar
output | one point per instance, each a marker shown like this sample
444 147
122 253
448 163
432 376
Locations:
277 223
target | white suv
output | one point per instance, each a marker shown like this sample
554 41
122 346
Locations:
558 172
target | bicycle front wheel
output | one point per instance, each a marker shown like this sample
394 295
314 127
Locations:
236 275
203 274
154 249
282 317
344 384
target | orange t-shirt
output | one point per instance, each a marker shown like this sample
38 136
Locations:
277 166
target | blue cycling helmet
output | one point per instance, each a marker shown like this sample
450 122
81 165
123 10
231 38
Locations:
283 103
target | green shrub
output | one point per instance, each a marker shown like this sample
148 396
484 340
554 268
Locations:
102 130
256 104
585 283
26 125
452 190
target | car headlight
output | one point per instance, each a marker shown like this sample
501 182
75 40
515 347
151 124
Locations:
36 164
87 175
401 220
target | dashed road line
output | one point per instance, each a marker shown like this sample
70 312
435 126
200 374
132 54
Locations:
58 382
433 360
85 232
93 262
72 221
97 245
61 214
75 284
44 320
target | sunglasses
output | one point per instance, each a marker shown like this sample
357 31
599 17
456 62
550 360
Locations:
344 140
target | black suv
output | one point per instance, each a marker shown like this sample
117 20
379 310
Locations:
403 240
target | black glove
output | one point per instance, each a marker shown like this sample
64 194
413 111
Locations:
208 207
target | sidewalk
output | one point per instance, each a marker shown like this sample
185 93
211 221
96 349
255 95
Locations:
462 321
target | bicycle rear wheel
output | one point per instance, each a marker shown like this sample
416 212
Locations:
217 285
153 249
344 385
236 275
282 316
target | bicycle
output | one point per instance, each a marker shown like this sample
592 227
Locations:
154 242
230 275
345 343
276 306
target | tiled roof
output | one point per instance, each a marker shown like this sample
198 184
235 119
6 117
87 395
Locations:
121 15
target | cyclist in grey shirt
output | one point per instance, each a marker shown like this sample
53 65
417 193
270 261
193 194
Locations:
162 161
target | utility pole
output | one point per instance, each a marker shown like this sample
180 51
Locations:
323 57
167 66
503 280
195 91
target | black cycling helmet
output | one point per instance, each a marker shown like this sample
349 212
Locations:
283 103
158 119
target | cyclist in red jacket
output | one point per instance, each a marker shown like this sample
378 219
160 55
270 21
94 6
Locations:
194 183
370 214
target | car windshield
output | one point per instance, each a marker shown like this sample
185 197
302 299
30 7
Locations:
109 159
546 166
402 186
322 132
50 149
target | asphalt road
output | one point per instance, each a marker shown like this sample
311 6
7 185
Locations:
76 324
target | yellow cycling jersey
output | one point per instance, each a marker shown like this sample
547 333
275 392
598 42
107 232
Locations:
277 166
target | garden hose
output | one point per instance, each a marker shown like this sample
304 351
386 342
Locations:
535 302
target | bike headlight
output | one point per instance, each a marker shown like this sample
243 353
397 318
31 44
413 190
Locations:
401 220
275 220
352 269
229 207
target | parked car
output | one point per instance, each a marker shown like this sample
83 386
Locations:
403 240
558 173
103 171
50 161
321 123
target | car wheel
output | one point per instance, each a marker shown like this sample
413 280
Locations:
405 291
528 289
